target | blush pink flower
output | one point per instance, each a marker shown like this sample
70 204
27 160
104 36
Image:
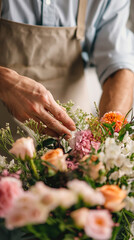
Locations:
86 192
72 165
83 142
52 197
10 190
99 224
27 210
23 147
6 173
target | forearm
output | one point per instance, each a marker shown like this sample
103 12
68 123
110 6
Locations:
117 92
8 79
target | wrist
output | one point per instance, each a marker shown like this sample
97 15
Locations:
8 79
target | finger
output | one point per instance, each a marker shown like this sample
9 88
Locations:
60 114
63 108
49 132
44 129
22 118
53 123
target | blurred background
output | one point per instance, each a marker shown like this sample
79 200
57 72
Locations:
131 17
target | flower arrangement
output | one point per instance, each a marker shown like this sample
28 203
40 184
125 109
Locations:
78 189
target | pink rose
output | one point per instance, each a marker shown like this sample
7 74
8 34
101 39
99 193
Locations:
10 189
99 225
27 209
23 147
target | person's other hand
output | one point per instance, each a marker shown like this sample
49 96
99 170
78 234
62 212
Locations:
26 98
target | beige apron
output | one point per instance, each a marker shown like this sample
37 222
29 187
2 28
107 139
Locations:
49 55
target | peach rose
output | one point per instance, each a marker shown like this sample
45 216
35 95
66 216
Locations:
93 169
114 197
23 147
80 216
57 158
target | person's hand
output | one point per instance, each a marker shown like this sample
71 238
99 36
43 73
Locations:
26 98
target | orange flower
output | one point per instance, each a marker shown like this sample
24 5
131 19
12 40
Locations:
116 117
56 158
114 197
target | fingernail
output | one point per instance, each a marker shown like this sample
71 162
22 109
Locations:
73 127
67 137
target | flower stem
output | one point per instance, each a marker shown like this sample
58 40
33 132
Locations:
34 169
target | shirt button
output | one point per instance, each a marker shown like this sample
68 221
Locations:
48 2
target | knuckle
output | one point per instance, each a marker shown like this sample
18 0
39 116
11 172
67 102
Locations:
60 115
46 98
34 108
52 123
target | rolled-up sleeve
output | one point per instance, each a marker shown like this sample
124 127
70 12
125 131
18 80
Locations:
114 44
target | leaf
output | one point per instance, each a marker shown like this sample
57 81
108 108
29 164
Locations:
130 214
16 234
46 143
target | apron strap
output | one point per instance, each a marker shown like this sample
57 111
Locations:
80 32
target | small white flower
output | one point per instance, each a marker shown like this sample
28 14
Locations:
126 138
102 179
114 175
101 156
11 164
112 150
126 169
3 163
120 160
129 204
132 231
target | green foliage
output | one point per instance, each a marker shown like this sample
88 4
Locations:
6 138
78 115
5 234
126 128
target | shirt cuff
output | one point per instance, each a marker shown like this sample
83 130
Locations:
112 69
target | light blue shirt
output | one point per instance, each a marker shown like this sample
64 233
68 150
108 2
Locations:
108 44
